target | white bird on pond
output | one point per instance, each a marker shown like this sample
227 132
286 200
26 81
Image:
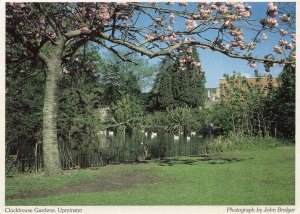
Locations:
193 133
188 138
110 133
176 137
146 134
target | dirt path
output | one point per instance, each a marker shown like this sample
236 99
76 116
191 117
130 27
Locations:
111 182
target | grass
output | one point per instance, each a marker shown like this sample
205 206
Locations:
265 177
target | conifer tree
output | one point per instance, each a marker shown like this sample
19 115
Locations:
188 80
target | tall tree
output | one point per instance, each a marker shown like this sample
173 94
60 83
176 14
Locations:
161 94
165 96
188 79
180 83
282 104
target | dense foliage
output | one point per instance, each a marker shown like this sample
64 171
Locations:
23 109
282 105
176 86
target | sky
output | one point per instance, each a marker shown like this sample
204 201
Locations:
215 64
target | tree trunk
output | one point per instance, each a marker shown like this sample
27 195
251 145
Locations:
50 144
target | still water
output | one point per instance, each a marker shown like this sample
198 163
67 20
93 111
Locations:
116 148
159 144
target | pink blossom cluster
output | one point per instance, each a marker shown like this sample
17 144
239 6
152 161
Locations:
103 12
242 10
252 63
222 9
293 36
289 46
182 4
228 23
17 6
187 62
284 43
205 11
278 49
149 36
251 46
182 61
161 37
227 47
171 38
205 14
283 32
238 39
237 33
190 24
285 18
237 9
272 10
85 30
293 55
228 11
26 26
188 40
195 64
190 49
215 5
265 36
98 14
270 22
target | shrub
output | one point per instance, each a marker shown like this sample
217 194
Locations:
10 166
233 142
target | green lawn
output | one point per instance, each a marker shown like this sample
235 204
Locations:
264 177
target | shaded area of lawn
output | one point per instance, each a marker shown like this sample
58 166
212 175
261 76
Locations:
105 183
241 178
214 159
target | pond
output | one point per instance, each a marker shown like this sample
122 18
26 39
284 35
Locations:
113 148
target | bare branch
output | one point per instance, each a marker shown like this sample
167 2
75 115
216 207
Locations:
122 57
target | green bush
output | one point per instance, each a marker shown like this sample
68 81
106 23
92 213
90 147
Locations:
233 142
10 166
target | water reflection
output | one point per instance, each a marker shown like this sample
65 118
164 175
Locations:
139 146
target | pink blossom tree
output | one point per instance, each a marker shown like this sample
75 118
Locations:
53 32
